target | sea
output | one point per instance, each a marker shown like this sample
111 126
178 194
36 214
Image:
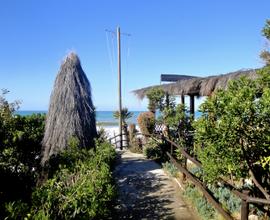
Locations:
103 118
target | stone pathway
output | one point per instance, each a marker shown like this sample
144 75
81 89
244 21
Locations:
146 192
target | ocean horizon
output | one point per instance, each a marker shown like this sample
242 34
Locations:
103 118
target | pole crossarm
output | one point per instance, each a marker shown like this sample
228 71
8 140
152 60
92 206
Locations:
113 32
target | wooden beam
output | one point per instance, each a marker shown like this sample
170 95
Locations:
183 152
206 193
242 195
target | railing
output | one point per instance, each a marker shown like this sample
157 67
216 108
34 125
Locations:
113 140
245 198
125 141
169 151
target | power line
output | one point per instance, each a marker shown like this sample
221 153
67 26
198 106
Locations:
110 53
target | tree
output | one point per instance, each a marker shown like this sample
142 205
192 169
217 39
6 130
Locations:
265 54
179 124
155 99
125 116
232 136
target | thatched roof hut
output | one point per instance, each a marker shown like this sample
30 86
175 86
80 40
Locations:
71 111
198 86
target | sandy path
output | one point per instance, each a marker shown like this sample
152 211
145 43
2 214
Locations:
146 192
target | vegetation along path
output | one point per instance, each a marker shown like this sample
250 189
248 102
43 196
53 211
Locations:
146 192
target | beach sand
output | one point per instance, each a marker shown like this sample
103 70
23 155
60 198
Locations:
112 131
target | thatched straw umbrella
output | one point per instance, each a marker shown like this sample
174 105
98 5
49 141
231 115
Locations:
71 111
213 83
200 86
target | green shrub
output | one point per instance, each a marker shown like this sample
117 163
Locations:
136 146
232 135
79 189
152 150
132 132
20 146
146 122
229 201
205 210
155 99
17 209
170 168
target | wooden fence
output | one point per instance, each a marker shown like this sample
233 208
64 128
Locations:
169 151
113 140
245 198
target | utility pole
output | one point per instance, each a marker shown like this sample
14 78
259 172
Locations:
119 81
119 87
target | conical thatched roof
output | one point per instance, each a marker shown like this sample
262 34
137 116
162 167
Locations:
200 86
71 111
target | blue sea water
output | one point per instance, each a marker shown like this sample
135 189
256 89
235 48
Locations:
105 117
101 116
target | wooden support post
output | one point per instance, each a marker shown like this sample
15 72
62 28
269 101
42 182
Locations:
171 149
182 99
127 138
185 166
192 105
244 207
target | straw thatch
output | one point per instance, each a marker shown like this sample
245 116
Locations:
71 111
212 83
199 86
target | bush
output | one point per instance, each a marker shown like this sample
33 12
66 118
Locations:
232 136
17 210
170 168
152 150
229 201
81 188
205 210
155 99
132 132
20 146
146 122
136 146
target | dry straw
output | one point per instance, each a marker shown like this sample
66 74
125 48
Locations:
71 111
200 86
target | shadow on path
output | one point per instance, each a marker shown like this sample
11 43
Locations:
145 192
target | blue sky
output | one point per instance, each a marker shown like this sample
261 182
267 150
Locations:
195 37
